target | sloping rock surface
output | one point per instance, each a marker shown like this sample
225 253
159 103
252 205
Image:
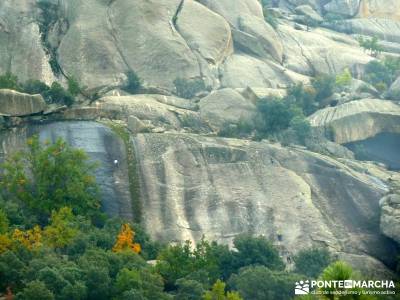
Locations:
193 186
359 120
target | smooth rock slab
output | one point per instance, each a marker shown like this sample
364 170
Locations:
13 103
193 186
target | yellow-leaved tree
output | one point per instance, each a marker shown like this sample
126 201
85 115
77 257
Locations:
31 239
125 240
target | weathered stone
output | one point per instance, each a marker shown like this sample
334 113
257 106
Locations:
309 13
205 32
316 51
262 38
241 71
387 9
359 120
13 103
226 106
135 125
193 186
346 8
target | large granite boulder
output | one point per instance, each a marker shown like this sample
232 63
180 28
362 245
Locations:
13 103
205 32
309 13
226 106
193 186
156 111
390 216
387 9
383 28
345 8
358 120
316 51
107 39
251 33
242 71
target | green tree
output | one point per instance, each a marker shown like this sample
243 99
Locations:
256 251
344 78
274 116
47 177
11 270
9 81
340 270
261 283
324 86
35 290
98 282
35 87
311 262
301 127
150 284
57 94
73 86
218 293
372 45
4 223
134 83
189 289
62 228
76 291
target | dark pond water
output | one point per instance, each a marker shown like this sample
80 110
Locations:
383 148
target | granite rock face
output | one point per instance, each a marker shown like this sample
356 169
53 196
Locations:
226 106
193 186
13 103
359 120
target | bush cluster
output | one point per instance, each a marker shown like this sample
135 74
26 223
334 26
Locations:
55 93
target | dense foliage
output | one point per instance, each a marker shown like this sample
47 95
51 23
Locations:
52 94
51 247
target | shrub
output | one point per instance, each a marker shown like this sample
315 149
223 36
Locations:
372 45
311 262
35 87
381 74
133 84
188 88
344 78
301 128
256 251
274 116
9 81
47 177
73 86
324 86
57 94
239 130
